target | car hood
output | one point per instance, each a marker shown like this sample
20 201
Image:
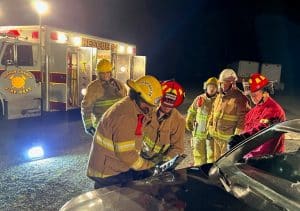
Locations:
173 190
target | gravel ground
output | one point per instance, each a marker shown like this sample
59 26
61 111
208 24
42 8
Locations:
47 184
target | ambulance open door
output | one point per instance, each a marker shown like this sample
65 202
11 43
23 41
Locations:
138 67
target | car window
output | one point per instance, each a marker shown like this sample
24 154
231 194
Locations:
24 55
285 166
8 56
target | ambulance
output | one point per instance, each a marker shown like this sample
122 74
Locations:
45 69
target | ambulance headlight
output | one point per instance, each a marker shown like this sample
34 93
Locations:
83 91
35 153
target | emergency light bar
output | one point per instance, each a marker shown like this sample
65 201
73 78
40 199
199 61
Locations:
10 33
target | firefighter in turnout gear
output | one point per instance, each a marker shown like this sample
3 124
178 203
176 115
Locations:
228 112
164 136
265 113
196 121
115 151
100 95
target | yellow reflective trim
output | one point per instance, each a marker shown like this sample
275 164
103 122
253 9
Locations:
88 121
264 121
108 144
93 173
223 136
106 102
191 110
125 146
227 117
155 148
200 135
201 117
220 135
138 163
104 142
148 142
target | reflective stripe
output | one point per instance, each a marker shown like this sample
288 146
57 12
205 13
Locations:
191 110
154 148
138 163
238 131
93 173
88 122
102 103
228 117
200 135
123 146
232 118
220 135
264 121
201 117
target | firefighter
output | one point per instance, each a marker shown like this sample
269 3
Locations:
196 121
115 151
164 136
265 113
228 112
100 95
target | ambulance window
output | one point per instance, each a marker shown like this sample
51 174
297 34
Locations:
24 55
8 55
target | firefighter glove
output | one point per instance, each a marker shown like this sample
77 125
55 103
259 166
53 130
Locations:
91 131
236 139
157 159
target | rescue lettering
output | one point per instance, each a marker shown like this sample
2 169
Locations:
101 45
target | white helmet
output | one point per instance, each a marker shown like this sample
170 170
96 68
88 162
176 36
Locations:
228 75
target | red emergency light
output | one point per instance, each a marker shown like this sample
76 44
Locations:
54 36
35 35
13 33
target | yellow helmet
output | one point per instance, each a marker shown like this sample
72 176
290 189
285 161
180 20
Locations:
148 87
228 75
104 66
212 80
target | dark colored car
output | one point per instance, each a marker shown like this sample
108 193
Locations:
263 183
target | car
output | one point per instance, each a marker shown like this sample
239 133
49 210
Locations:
270 182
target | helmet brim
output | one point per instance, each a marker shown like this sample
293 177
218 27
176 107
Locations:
133 85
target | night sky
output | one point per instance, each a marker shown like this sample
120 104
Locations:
187 40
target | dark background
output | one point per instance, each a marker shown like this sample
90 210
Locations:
188 40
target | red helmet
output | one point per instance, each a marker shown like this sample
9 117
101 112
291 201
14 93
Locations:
257 82
173 93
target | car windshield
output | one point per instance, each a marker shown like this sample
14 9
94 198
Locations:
285 166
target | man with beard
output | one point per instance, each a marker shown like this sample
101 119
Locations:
100 95
196 121
164 136
115 151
